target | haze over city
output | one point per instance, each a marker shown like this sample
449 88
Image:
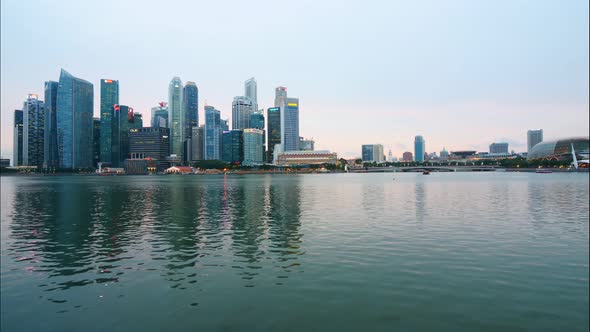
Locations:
462 74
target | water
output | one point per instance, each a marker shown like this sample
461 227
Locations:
340 252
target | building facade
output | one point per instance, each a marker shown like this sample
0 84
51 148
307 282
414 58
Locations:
150 143
251 91
190 102
50 141
17 139
75 103
253 146
290 124
533 137
96 124
160 116
407 156
444 154
233 146
280 96
273 129
298 158
33 131
499 148
306 144
419 149
109 97
197 143
373 153
242 108
176 117
212 145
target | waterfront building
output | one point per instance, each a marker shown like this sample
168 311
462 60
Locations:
160 115
299 158
136 166
96 124
17 139
253 146
407 156
280 96
560 149
176 117
190 103
150 143
50 140
123 120
197 142
290 124
242 108
4 162
74 104
533 137
372 153
233 146
444 154
306 144
33 131
419 148
212 145
499 148
251 92
109 97
274 130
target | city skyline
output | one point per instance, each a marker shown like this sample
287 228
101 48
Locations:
503 84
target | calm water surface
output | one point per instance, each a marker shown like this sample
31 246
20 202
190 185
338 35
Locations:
341 252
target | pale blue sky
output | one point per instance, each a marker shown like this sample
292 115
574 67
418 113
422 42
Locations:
461 73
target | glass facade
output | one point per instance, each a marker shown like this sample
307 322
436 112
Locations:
123 120
50 141
197 143
190 102
95 142
152 143
533 137
273 130
212 149
160 116
109 97
290 125
233 146
560 149
499 148
33 131
17 147
368 152
242 108
253 147
176 117
419 148
74 104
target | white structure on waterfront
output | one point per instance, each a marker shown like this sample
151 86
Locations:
293 158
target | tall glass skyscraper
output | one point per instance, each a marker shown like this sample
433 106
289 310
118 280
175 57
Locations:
75 98
50 142
232 146
160 116
419 148
251 92
95 142
242 108
290 124
190 102
253 146
33 131
176 117
123 120
280 96
273 124
109 97
17 141
197 143
212 149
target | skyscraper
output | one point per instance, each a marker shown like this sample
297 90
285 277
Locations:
242 108
96 124
109 97
50 141
390 156
233 146
176 117
75 98
273 129
123 120
533 137
160 115
212 145
257 120
33 131
280 96
290 124
419 148
224 124
190 102
150 142
198 141
373 153
17 147
499 148
251 92
253 146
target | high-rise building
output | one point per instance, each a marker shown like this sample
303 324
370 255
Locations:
150 143
197 143
176 117
17 147
251 91
533 137
190 102
160 115
224 124
373 153
75 102
444 154
407 156
96 124
253 146
273 129
109 97
499 148
419 148
290 124
242 108
306 144
233 146
33 131
390 156
257 120
50 141
123 120
280 96
212 145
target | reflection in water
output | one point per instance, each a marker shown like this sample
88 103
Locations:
420 200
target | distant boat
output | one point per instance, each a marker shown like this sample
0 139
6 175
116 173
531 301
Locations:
426 172
543 171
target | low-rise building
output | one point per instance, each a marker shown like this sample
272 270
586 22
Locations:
296 158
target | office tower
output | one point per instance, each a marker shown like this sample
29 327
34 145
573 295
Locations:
257 120
444 154
274 130
233 146
290 124
124 119
242 108
176 117
33 131
150 143
17 147
499 148
190 102
50 141
373 153
533 137
96 124
419 148
280 96
212 145
390 156
197 142
306 144
224 124
253 146
159 116
109 97
407 156
75 99
137 120
251 90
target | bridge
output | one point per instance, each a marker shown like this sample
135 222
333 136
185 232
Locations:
425 168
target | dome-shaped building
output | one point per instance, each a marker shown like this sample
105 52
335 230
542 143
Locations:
560 149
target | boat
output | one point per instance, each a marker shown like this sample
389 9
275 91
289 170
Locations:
543 171
426 172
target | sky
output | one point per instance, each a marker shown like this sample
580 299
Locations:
463 74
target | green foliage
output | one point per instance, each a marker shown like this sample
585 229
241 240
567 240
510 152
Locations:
211 164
